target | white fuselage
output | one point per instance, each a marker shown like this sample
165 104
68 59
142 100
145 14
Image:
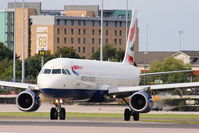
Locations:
83 77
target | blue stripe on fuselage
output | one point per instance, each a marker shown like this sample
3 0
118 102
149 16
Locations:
75 94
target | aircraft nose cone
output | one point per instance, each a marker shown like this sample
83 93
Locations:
45 81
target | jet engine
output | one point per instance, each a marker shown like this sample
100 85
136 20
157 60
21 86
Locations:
141 102
28 101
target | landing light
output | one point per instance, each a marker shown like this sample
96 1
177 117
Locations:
56 101
61 101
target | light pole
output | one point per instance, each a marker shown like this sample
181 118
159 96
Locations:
23 46
14 45
101 43
180 37
126 19
146 52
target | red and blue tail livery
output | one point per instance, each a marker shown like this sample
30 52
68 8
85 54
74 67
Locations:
129 54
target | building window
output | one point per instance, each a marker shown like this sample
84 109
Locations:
115 33
99 32
120 41
106 40
65 31
57 39
84 23
72 22
84 31
120 33
58 31
79 50
64 40
120 24
93 23
93 31
65 21
99 41
72 40
79 40
72 31
93 49
106 23
79 31
99 23
115 41
93 41
79 23
107 32
115 23
84 49
58 22
84 40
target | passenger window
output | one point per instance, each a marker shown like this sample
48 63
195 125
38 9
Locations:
47 71
56 71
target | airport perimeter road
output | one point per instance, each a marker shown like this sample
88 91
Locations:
93 127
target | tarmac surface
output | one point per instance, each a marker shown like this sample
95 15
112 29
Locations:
87 125
45 126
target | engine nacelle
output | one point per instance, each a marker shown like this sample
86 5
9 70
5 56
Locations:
28 101
141 102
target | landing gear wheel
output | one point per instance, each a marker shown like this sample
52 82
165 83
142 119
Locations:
62 114
136 116
53 114
127 114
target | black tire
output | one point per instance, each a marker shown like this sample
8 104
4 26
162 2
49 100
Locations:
136 116
53 114
127 114
62 114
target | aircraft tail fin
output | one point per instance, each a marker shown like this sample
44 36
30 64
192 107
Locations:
129 52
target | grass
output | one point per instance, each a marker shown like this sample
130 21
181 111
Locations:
170 116
164 118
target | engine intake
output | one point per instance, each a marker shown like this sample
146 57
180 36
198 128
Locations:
28 101
141 102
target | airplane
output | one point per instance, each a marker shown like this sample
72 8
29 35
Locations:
67 79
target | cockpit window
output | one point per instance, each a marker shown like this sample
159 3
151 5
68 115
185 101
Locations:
68 72
56 71
65 72
47 71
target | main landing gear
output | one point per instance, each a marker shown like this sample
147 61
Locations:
129 112
57 111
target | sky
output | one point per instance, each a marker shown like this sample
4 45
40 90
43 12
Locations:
163 17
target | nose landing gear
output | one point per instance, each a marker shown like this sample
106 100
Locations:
57 111
128 112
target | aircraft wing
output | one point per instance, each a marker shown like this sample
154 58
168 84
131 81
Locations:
130 89
163 73
18 85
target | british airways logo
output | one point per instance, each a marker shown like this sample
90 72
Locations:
76 67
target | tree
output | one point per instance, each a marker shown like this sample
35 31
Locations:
6 71
170 64
33 65
66 52
109 53
5 52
